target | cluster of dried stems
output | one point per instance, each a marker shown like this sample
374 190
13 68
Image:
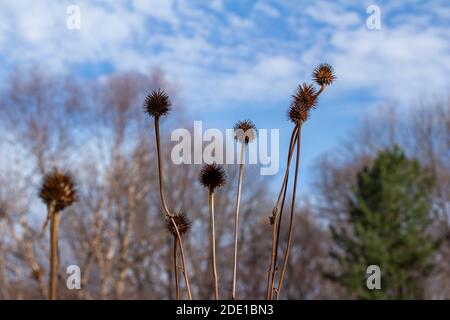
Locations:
114 231
58 191
212 176
305 99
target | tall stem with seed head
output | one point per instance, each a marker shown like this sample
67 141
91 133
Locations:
166 209
236 221
211 177
291 218
276 218
304 100
57 192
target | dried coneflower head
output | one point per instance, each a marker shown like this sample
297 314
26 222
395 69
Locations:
157 104
324 74
297 113
212 176
182 222
58 188
304 100
244 131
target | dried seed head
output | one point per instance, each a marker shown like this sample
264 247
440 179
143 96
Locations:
58 188
298 113
182 222
212 176
304 100
273 217
244 131
157 103
36 273
324 74
272 220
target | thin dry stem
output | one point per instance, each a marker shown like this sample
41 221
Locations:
277 241
236 221
277 218
286 174
213 246
295 138
183 261
291 219
54 228
166 209
160 169
175 267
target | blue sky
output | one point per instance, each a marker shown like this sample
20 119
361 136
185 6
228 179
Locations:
243 59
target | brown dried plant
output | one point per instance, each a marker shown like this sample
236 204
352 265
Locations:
183 224
245 132
304 100
57 192
156 105
211 177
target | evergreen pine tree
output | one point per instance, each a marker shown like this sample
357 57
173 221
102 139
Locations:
389 212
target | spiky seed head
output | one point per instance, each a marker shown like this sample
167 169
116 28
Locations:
212 176
244 131
298 113
304 100
306 96
157 104
182 222
58 188
324 74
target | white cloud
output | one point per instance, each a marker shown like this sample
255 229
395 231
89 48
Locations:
160 10
333 14
231 56
269 80
238 22
4 30
264 8
397 63
216 5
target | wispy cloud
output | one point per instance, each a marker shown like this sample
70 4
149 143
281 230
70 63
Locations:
238 51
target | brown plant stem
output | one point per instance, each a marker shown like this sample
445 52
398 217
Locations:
183 260
160 168
277 218
320 91
175 267
291 218
213 245
236 221
277 241
54 228
166 209
292 142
